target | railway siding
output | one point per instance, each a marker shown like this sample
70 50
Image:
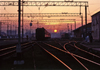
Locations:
8 64
45 61
66 58
41 56
88 64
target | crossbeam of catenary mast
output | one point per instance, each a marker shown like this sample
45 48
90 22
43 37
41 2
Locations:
45 3
42 20
41 15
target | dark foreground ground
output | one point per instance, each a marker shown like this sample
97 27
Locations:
36 59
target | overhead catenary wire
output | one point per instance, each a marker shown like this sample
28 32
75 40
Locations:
6 11
29 8
89 11
94 3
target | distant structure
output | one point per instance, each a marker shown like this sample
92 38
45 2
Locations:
3 35
11 33
96 26
79 33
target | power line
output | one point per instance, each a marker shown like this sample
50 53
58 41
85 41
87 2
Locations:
5 9
30 9
94 4
89 11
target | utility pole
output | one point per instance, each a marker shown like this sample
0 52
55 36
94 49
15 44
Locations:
18 47
71 28
0 27
75 25
30 30
15 31
81 21
86 19
22 21
11 30
19 12
68 27
80 9
82 24
8 29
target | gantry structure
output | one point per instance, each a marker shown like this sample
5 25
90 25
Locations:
41 15
40 20
44 3
22 3
47 3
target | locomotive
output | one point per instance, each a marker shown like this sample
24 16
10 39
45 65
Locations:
42 34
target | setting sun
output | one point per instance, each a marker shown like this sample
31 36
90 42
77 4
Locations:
55 30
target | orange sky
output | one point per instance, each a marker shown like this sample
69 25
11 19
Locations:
93 8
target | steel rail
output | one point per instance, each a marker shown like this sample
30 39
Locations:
86 59
55 57
7 48
7 53
11 47
10 51
76 58
85 51
75 55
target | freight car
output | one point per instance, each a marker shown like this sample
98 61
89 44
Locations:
42 34
65 36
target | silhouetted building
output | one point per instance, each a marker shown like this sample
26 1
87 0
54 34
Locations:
3 35
11 33
82 30
96 26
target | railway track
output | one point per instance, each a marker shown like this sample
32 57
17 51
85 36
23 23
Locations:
9 55
8 51
56 54
71 56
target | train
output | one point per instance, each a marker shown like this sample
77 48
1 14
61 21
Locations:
42 34
65 36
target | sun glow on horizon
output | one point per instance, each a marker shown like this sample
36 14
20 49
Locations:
55 30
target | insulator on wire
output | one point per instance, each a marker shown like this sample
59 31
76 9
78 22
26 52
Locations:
39 8
23 1
46 4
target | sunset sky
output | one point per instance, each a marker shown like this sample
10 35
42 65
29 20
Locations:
93 8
